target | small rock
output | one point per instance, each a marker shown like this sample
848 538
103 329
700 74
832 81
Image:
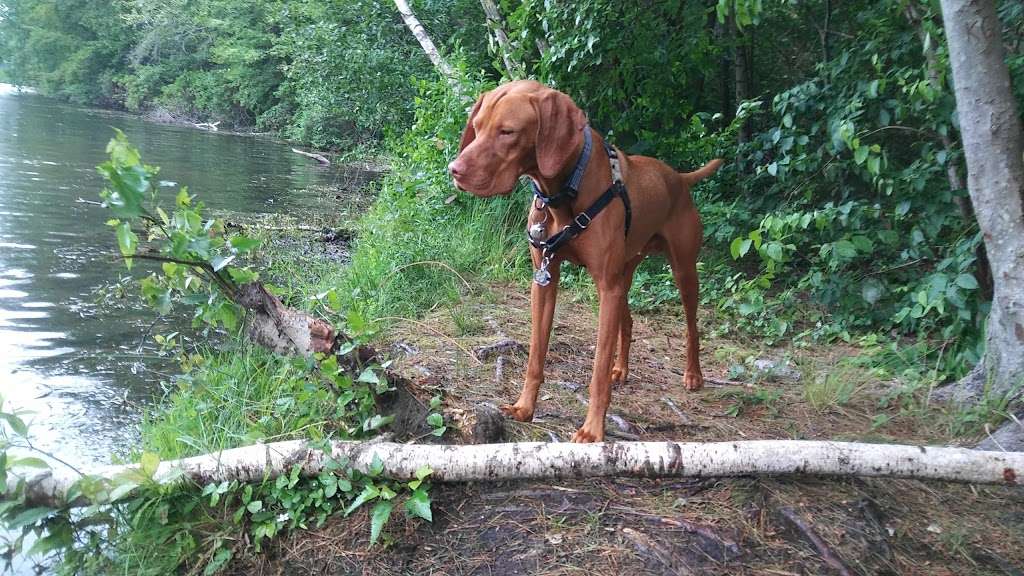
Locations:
934 528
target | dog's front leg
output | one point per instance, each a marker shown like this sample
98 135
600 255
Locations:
609 317
542 312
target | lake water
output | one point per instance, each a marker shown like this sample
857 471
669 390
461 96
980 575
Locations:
87 370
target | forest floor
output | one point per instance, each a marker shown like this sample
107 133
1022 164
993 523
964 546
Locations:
781 526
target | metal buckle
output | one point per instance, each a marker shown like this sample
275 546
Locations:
581 224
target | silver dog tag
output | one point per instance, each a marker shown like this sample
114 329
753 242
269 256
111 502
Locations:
542 277
537 232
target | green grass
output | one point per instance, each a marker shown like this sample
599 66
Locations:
235 398
835 387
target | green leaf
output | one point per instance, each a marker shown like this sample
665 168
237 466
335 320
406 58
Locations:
16 424
773 250
369 376
874 165
254 506
773 168
376 466
378 518
967 282
27 518
860 154
28 462
740 247
418 505
243 244
183 200
127 241
149 463
423 471
435 420
369 493
220 558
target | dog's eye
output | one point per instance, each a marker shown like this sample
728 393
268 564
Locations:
506 131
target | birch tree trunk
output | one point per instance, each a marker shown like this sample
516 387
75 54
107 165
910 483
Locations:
534 460
417 29
991 131
515 70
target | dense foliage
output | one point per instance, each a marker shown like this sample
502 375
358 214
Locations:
845 194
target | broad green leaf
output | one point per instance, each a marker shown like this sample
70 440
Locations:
254 506
127 241
967 281
860 154
378 518
27 462
369 375
418 505
243 243
376 466
16 424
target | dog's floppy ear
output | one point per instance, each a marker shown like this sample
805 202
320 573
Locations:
469 134
560 125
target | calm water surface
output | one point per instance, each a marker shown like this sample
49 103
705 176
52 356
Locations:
84 370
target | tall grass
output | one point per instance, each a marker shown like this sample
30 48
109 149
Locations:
235 398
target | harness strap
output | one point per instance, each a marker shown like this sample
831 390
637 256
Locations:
571 187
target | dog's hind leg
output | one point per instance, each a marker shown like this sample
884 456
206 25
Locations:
683 246
620 372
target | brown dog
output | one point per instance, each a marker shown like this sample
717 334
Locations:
527 128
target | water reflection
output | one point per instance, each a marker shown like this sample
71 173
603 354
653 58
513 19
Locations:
77 367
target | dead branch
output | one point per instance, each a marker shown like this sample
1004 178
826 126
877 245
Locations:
819 544
318 157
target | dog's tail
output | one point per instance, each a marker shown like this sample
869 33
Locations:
691 178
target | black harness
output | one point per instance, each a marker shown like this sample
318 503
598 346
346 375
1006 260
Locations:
568 193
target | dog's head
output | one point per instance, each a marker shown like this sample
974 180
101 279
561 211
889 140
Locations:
518 128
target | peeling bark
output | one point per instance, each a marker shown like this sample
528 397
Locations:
536 460
279 328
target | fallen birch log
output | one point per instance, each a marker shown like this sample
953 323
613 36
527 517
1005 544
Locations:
542 460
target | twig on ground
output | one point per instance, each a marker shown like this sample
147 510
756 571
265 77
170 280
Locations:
819 544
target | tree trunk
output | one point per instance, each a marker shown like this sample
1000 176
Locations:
495 24
993 144
534 460
417 29
742 76
723 37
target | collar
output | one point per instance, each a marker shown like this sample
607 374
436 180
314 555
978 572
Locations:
571 187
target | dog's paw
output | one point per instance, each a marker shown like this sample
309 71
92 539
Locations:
518 413
693 381
584 436
620 374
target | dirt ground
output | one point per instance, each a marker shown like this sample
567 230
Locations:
774 526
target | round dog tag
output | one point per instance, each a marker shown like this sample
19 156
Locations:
537 232
542 277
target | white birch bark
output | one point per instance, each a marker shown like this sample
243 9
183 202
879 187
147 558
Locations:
417 29
538 460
